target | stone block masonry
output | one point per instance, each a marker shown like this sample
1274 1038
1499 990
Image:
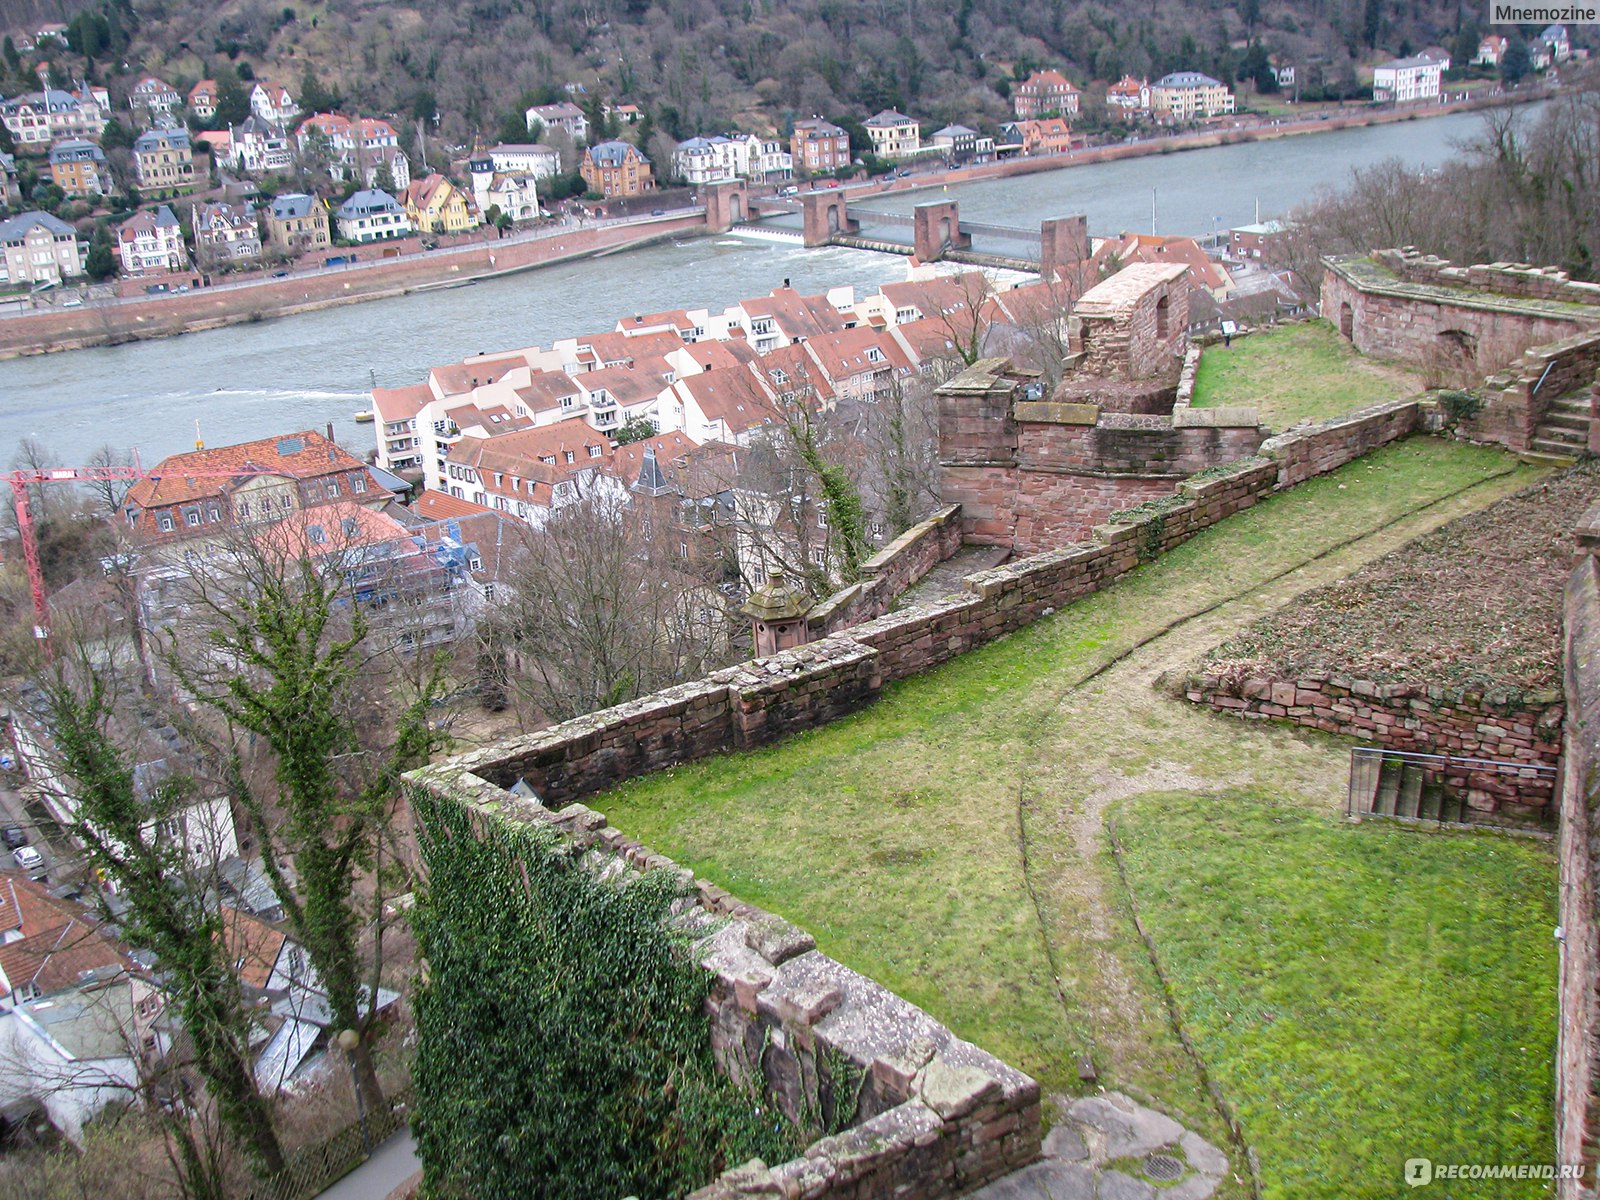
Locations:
1462 323
1578 849
922 1114
1418 719
766 699
889 573
935 1116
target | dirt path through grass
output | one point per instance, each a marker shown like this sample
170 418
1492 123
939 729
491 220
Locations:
1147 740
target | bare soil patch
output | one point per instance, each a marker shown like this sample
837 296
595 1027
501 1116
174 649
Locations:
1475 604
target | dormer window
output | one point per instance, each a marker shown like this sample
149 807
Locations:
570 457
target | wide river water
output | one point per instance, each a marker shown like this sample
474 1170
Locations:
250 381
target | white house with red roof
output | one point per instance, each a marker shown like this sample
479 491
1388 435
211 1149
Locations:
273 103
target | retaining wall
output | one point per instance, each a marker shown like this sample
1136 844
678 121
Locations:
925 1114
936 1116
766 699
889 573
1577 1054
1419 719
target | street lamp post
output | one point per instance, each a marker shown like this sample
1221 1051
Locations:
349 1039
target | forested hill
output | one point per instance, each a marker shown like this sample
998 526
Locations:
702 65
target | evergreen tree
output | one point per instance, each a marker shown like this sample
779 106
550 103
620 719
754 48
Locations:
233 98
101 261
1517 62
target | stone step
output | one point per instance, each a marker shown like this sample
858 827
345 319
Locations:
1577 422
1573 437
1548 453
1432 802
1580 405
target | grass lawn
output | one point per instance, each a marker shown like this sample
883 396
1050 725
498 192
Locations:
1365 994
896 835
1294 373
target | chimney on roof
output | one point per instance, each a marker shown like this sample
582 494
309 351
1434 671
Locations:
330 431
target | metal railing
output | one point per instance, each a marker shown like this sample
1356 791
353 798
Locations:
1434 787
313 1169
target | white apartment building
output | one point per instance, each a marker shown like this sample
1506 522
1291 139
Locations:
1403 79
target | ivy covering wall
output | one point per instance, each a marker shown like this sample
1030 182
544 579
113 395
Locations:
564 1050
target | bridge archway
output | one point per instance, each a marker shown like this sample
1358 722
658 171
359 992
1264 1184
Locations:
727 204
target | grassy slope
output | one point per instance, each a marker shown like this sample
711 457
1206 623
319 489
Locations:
1297 373
1388 990
893 835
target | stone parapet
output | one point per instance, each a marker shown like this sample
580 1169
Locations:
921 1113
889 573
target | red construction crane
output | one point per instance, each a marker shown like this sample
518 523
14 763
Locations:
21 481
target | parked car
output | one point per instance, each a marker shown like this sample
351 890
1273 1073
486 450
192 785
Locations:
28 858
658 212
72 302
13 837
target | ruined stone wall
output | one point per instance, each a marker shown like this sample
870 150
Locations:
769 698
1064 468
1577 1064
925 1115
1460 323
1517 399
1416 719
889 573
1319 449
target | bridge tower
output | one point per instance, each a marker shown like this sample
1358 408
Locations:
936 228
727 204
824 214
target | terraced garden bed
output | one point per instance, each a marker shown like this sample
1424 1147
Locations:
1475 605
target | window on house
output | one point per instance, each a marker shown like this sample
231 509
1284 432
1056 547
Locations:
822 518
569 456
819 556
316 533
286 503
476 563
166 522
358 484
594 451
192 517
213 514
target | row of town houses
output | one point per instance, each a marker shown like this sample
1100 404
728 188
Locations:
1044 105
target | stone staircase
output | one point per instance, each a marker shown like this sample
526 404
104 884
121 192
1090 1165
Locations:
1564 432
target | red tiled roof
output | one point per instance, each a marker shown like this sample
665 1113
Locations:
736 398
59 941
796 315
441 506
253 946
197 474
546 389
669 447
400 404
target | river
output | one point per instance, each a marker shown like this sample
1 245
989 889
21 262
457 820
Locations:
250 381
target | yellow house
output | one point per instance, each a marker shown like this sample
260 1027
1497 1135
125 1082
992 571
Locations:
435 205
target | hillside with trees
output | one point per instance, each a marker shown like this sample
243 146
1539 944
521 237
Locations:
699 65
